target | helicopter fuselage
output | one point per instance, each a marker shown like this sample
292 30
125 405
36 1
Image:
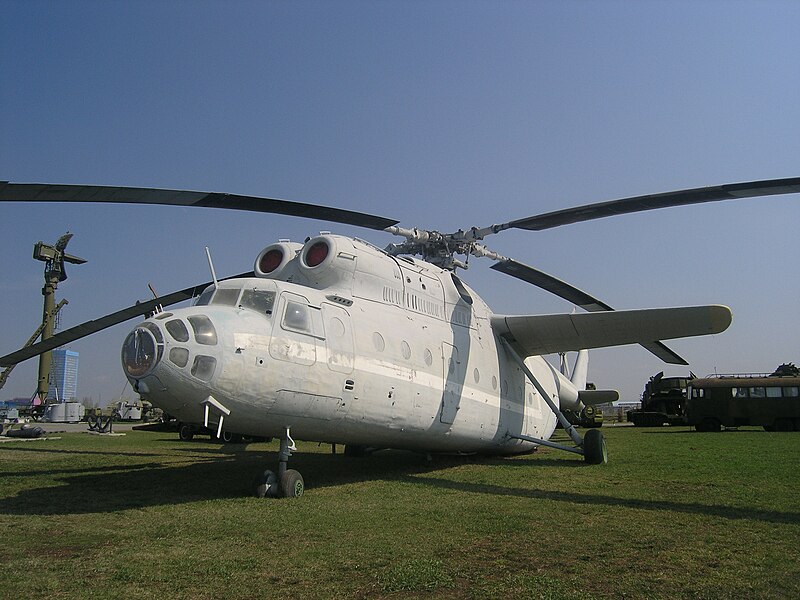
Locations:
343 343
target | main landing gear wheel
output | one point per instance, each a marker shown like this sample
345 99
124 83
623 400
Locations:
595 451
292 484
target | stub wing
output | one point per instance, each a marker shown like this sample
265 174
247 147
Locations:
532 335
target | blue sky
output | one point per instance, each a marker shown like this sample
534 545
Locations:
439 114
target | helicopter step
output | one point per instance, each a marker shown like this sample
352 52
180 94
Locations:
287 483
209 403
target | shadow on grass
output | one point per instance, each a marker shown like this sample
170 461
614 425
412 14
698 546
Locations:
226 472
62 451
727 512
218 472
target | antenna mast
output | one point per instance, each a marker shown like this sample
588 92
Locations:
54 258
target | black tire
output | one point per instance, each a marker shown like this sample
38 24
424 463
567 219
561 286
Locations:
292 484
231 438
595 451
265 485
186 432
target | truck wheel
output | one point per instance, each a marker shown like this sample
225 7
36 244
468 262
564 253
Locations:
186 432
595 451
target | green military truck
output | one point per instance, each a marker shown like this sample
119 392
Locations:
663 402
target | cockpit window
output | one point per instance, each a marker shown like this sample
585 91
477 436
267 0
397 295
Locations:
204 332
296 317
203 367
226 296
153 328
177 329
205 297
258 300
179 356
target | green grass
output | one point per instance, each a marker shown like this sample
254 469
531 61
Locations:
674 514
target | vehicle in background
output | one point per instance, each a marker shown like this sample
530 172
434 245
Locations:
589 416
769 401
663 402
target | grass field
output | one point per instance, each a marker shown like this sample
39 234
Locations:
674 514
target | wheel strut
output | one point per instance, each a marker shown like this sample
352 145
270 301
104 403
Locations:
592 446
288 483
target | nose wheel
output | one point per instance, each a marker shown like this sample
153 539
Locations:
287 483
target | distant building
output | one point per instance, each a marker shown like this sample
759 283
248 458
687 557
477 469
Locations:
64 375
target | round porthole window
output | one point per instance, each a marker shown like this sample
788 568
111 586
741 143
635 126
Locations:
380 343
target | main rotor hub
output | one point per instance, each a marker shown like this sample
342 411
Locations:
440 248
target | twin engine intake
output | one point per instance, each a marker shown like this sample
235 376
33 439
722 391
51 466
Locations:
321 262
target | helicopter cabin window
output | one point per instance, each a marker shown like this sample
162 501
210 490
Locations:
177 329
226 296
205 297
258 300
179 356
296 317
203 367
204 332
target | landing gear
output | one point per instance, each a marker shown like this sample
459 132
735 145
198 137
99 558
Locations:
288 483
231 438
595 451
292 484
592 446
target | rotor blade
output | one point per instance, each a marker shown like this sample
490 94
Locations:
45 192
634 204
90 327
578 297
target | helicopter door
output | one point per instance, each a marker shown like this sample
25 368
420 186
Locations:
338 338
453 383
295 331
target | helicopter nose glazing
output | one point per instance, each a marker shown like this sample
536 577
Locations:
142 350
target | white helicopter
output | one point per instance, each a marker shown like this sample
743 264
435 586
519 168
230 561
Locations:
336 340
